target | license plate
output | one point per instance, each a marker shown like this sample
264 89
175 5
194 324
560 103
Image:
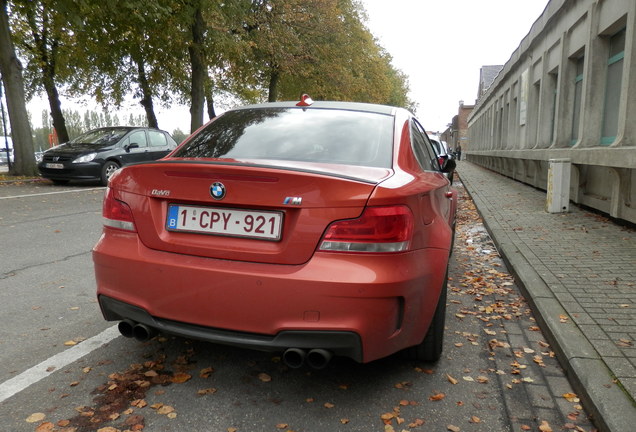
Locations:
223 221
54 165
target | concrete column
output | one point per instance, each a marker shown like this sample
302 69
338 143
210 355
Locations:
594 76
558 189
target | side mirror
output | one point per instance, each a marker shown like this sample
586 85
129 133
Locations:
131 146
449 166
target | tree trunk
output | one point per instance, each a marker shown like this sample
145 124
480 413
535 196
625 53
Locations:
146 101
42 36
59 123
197 60
209 99
274 78
11 69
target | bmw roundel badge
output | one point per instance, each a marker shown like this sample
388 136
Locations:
217 190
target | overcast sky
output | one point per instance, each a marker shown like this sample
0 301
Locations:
439 44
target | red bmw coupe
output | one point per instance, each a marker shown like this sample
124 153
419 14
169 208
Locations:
311 228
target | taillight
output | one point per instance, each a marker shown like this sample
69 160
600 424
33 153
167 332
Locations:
116 213
378 229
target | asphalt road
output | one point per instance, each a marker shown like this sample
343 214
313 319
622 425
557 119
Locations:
63 368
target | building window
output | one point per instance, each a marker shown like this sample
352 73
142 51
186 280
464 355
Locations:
554 83
613 87
578 94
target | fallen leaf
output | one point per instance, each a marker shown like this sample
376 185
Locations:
344 421
35 417
205 373
328 405
453 428
180 377
545 426
571 397
475 419
451 379
416 423
139 403
70 343
206 391
281 425
264 377
166 409
437 397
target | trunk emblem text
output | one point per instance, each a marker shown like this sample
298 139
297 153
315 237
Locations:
160 192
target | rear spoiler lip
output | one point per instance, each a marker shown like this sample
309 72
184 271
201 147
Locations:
389 171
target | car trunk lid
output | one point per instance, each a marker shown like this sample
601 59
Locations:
269 214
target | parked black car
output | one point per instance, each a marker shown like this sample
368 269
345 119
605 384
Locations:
97 154
444 156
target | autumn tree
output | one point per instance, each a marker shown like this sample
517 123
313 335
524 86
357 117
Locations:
11 70
124 50
43 34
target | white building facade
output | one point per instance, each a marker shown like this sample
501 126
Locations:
567 92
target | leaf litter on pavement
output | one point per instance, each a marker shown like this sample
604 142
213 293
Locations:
482 300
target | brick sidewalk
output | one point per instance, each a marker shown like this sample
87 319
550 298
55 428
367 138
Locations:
578 270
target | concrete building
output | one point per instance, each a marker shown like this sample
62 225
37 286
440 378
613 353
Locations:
568 93
457 133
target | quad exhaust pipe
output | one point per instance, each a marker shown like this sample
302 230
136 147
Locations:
131 329
317 358
295 358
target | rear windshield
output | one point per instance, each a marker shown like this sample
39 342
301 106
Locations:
309 135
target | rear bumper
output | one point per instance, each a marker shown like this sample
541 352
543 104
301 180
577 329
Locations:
361 306
71 171
339 342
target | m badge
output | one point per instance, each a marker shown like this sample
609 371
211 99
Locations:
293 201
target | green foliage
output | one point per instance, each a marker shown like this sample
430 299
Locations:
251 50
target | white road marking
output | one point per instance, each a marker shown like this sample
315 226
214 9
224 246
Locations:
53 193
31 376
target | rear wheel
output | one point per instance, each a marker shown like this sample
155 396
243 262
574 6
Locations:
430 350
108 170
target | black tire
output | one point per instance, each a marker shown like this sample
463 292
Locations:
430 349
108 170
59 182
